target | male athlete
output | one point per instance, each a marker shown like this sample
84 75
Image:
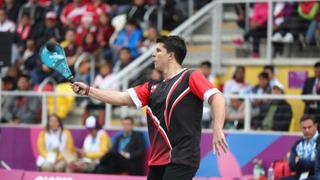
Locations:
174 112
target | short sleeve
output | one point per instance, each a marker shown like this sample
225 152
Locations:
140 95
201 87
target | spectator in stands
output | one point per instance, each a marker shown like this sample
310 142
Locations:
278 115
24 29
137 11
82 68
150 40
310 12
35 11
127 153
100 7
237 84
303 152
105 75
95 145
72 13
89 44
87 26
26 108
14 73
57 7
12 10
269 69
119 6
70 47
55 146
129 37
235 114
258 27
206 69
312 86
7 102
5 24
282 14
125 58
104 31
47 30
260 105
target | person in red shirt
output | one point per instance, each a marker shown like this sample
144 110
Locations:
174 111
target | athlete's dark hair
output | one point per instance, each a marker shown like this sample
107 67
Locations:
176 45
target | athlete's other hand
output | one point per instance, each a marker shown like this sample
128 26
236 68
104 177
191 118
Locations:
80 88
219 141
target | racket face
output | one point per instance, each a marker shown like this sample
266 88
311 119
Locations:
56 60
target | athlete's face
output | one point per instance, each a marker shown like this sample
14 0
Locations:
161 57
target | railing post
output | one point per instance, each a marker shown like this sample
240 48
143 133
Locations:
160 15
269 32
190 7
247 114
108 116
44 117
216 36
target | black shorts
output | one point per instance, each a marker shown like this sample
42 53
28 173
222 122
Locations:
171 172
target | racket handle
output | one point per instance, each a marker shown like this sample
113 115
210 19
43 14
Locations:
71 79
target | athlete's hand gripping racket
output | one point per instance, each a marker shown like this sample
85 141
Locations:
53 55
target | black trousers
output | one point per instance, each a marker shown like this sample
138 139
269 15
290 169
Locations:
171 172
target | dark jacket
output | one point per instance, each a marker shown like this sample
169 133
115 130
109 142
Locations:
282 116
302 165
137 148
317 168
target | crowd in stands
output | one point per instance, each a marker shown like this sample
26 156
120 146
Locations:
87 31
57 152
292 22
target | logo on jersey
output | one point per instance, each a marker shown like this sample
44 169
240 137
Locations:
153 88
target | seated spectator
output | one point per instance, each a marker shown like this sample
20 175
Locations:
29 56
26 108
105 75
303 153
35 11
260 105
125 58
129 37
312 87
104 31
87 26
269 69
7 102
47 30
279 113
72 13
82 68
5 24
55 146
237 84
89 44
70 47
206 69
258 27
137 11
12 9
95 145
127 153
119 6
235 114
57 7
150 40
24 30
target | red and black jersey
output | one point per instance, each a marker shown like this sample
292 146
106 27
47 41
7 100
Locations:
174 112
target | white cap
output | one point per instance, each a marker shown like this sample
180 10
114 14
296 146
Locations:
91 122
278 85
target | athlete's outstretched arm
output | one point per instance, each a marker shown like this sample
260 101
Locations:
217 103
106 96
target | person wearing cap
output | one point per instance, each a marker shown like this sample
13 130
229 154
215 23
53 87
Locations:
48 29
278 115
95 145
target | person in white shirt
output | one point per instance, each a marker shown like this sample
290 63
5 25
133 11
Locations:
237 84
5 24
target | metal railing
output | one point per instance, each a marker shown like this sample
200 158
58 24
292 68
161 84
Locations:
247 102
